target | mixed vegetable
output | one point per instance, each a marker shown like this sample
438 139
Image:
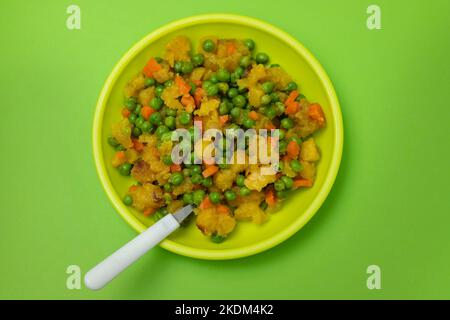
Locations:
225 85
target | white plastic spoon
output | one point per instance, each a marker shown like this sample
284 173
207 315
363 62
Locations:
108 269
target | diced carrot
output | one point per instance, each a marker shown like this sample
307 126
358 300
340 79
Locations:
175 168
187 100
133 188
151 66
270 126
291 98
302 183
221 208
209 171
315 112
293 149
137 145
231 47
224 119
183 87
126 113
198 83
206 203
149 211
119 158
253 115
270 198
292 108
198 95
147 111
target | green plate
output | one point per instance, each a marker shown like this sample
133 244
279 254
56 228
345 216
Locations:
247 238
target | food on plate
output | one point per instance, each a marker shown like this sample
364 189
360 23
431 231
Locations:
224 84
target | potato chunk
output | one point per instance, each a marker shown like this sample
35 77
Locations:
209 221
309 151
121 131
146 196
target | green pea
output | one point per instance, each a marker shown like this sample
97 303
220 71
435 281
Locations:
279 185
279 106
149 82
139 121
230 195
188 198
239 101
291 86
250 44
168 83
184 118
162 129
167 159
274 65
113 142
198 196
263 205
177 66
166 136
281 134
224 166
233 92
223 87
268 86
223 75
159 59
214 197
282 146
296 139
209 45
296 165
245 62
239 71
280 166
262 58
196 178
137 110
234 78
223 108
281 194
130 103
155 118
235 112
196 169
158 90
125 169
146 126
248 123
275 97
132 118
288 182
300 97
271 112
187 67
287 123
266 99
136 132
244 191
207 182
176 178
170 122
156 103
198 59
128 200
240 180
214 78
167 187
217 238
212 90
120 148
193 88
171 112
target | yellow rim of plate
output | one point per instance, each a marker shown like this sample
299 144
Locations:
276 238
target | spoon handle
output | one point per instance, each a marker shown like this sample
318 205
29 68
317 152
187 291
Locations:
109 268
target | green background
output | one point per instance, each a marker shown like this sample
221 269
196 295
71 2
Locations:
389 206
